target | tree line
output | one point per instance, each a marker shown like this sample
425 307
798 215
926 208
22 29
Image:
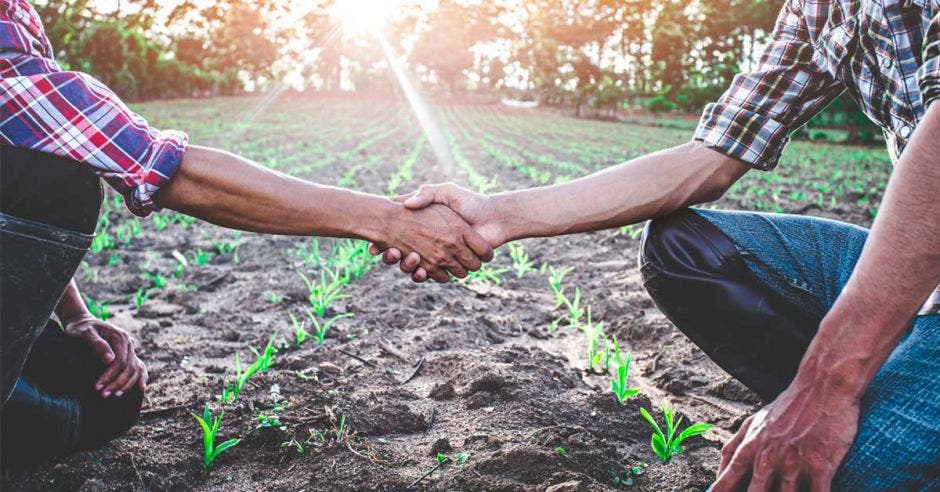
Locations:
602 54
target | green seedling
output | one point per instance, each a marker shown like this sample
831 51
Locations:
200 257
157 280
325 292
619 382
556 276
227 247
160 221
271 419
320 328
181 265
561 451
98 309
300 333
598 347
140 298
210 428
520 260
487 274
263 362
625 478
667 445
274 298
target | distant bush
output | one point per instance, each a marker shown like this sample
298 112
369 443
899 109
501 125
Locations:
660 104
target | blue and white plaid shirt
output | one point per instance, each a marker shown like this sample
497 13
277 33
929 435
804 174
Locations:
886 53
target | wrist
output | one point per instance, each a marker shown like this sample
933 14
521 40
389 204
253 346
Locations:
376 222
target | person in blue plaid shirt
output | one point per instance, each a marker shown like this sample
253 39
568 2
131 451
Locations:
836 326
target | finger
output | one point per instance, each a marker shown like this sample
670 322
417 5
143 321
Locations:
419 275
391 256
425 196
436 273
121 379
99 346
374 249
820 480
468 259
478 245
455 268
738 471
144 377
789 481
727 452
120 346
401 198
763 474
135 377
410 262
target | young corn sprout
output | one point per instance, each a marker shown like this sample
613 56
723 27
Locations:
263 362
555 277
619 382
320 328
200 257
325 292
228 247
182 263
598 347
141 297
210 427
668 444
487 274
97 308
520 260
156 279
300 333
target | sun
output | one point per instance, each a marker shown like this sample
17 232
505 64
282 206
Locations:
361 16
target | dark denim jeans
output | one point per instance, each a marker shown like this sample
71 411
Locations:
48 210
784 273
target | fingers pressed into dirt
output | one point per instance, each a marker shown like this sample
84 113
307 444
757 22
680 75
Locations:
420 275
410 263
391 256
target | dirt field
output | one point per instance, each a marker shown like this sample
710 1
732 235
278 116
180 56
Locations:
494 382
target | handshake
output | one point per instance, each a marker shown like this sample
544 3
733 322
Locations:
444 230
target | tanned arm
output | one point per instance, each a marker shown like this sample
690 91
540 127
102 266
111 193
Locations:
650 186
231 191
805 433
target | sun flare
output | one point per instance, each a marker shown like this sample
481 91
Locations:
360 16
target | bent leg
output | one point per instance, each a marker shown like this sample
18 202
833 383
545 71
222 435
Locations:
802 263
55 399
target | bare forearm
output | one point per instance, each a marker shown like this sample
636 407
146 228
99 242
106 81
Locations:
646 187
231 191
898 268
71 306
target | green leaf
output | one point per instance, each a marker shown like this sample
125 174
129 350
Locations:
660 448
693 430
646 415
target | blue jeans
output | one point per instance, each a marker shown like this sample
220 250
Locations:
801 264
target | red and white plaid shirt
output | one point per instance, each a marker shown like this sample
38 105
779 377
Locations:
73 115
886 53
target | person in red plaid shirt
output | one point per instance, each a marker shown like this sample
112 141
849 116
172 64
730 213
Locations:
75 382
824 320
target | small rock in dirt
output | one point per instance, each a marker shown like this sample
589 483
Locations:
158 309
572 486
213 369
92 485
443 391
166 323
328 368
441 446
231 335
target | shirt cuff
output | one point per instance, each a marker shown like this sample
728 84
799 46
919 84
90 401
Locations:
756 139
167 149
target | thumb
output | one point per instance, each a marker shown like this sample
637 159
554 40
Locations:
99 346
422 198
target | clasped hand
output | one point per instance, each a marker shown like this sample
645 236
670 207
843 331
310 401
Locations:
447 230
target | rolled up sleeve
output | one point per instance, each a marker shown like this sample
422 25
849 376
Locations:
73 115
753 119
928 74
